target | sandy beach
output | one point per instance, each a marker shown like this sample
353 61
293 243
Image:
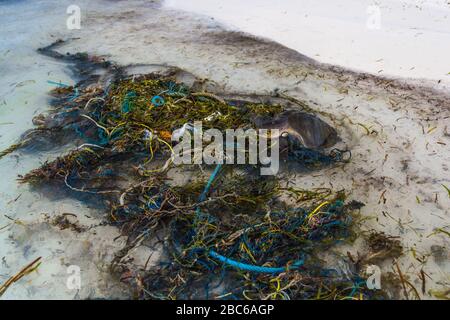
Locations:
384 89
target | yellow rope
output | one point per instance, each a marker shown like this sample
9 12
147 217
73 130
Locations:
317 209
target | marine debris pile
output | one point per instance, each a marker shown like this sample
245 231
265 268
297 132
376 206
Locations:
224 230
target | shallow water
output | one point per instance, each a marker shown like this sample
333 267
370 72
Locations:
26 26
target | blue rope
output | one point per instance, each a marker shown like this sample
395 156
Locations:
59 84
127 103
158 101
253 268
231 262
210 181
62 85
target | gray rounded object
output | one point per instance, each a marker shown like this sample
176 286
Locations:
307 129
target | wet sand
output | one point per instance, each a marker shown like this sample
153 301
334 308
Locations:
396 130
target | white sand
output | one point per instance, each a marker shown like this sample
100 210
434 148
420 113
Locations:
413 39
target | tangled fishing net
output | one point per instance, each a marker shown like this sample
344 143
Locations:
224 231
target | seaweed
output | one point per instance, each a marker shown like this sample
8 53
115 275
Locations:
64 222
29 268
